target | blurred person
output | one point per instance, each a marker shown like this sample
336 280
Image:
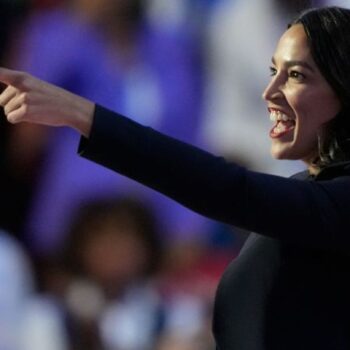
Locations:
288 288
16 287
110 290
111 257
143 69
187 284
28 320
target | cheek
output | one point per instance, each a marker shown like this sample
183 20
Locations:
328 104
315 107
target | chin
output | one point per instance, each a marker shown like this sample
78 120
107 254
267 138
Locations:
279 154
291 154
284 155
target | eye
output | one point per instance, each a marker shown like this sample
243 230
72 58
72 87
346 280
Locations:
273 71
297 75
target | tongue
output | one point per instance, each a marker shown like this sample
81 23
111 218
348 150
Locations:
283 126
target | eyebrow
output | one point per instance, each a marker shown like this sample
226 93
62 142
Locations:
296 63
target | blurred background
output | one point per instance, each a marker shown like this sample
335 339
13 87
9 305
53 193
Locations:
89 259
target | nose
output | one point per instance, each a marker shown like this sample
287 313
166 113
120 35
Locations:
273 90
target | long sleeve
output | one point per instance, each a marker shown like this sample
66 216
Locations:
301 212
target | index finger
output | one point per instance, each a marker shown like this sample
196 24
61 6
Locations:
11 77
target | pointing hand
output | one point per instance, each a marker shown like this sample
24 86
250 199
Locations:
28 99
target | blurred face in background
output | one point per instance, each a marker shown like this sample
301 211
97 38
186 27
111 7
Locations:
114 256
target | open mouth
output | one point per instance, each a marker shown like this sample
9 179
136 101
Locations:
283 123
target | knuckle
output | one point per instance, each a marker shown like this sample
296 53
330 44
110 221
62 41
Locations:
6 110
25 97
13 119
25 109
18 115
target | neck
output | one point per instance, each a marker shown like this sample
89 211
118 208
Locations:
312 167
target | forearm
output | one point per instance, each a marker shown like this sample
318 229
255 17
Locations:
183 172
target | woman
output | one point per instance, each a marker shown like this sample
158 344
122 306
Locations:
288 289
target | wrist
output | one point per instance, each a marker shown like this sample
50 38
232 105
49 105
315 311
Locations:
82 122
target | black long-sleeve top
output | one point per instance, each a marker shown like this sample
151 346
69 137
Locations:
288 289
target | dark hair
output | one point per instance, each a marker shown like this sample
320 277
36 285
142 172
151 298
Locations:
122 213
328 33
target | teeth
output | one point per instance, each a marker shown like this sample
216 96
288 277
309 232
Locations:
277 116
273 116
284 117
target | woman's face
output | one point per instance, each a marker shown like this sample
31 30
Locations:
299 99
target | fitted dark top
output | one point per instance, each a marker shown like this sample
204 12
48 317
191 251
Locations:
288 288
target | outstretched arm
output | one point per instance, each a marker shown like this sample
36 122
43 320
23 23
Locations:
313 213
27 99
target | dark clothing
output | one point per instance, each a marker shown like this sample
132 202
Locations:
288 288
